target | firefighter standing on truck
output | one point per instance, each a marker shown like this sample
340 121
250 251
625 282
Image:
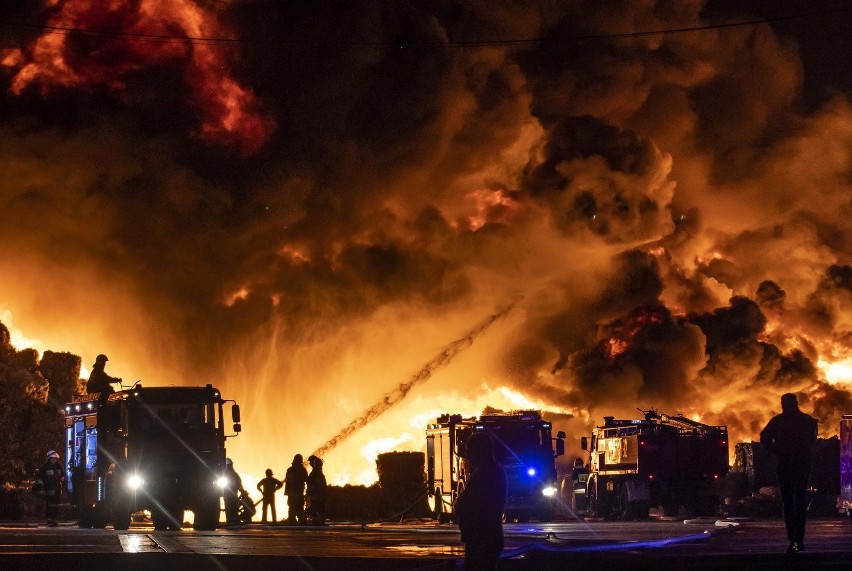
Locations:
99 381
52 479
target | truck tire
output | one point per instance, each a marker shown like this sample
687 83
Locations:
599 506
121 521
436 503
166 519
207 516
121 514
629 511
100 517
85 517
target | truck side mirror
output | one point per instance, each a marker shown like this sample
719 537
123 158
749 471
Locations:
560 447
584 442
560 435
237 427
235 412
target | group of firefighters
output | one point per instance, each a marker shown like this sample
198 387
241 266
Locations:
306 494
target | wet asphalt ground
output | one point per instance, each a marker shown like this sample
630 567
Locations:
696 544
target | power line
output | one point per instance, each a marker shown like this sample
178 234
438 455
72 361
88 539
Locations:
202 40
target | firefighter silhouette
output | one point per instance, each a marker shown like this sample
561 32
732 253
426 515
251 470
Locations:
579 477
233 489
52 478
316 493
294 488
99 381
267 487
479 508
791 436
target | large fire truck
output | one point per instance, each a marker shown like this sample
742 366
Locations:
160 449
524 447
658 460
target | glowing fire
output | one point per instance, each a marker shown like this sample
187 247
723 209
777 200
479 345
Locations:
240 294
115 39
623 334
489 205
838 372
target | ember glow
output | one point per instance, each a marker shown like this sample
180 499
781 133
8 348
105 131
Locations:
306 204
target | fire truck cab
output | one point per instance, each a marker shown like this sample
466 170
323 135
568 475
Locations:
659 460
524 446
160 449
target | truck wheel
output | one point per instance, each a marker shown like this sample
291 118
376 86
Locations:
165 519
121 514
631 510
207 516
591 501
599 506
436 503
85 517
121 519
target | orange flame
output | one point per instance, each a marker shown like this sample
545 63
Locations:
75 54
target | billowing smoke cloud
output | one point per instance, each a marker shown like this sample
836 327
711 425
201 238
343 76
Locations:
308 208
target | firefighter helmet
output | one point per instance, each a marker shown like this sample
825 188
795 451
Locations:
101 358
53 454
229 462
480 448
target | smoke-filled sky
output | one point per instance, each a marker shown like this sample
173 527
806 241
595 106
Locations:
310 200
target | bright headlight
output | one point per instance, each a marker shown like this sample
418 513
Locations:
530 472
548 492
135 482
222 481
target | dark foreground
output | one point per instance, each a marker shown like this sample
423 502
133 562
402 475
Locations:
619 546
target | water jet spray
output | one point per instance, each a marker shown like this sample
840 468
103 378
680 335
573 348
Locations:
444 357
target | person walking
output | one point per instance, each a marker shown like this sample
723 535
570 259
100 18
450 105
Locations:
317 489
52 479
791 436
267 487
295 480
479 507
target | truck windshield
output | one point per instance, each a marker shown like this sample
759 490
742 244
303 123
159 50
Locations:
176 418
513 442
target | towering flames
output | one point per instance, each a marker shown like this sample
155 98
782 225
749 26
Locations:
112 44
673 208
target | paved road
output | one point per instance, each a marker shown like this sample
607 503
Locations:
692 544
